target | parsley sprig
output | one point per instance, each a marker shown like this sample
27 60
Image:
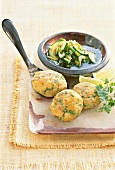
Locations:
107 95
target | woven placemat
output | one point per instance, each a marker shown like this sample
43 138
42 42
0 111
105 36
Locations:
19 127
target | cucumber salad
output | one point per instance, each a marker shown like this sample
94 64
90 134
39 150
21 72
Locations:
70 53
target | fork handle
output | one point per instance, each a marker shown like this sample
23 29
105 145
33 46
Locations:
12 34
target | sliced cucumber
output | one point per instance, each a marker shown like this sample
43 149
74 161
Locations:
63 46
81 51
54 48
70 53
67 61
61 55
92 57
55 58
77 53
80 58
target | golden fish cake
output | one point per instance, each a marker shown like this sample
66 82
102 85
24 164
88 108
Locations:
88 92
48 83
67 105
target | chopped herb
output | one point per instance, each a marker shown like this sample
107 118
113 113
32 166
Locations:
65 110
56 80
72 95
88 105
66 92
48 89
71 112
60 100
68 111
80 105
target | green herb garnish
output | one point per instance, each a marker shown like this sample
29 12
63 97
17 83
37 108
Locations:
107 95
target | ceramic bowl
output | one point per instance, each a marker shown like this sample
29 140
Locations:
90 42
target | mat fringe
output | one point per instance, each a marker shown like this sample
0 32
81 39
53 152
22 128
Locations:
66 146
63 166
15 102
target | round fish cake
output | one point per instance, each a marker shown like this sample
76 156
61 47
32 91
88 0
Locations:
48 83
88 92
67 105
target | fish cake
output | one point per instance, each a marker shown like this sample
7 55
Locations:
89 94
67 105
48 83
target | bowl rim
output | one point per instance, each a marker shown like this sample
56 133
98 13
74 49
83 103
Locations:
66 71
